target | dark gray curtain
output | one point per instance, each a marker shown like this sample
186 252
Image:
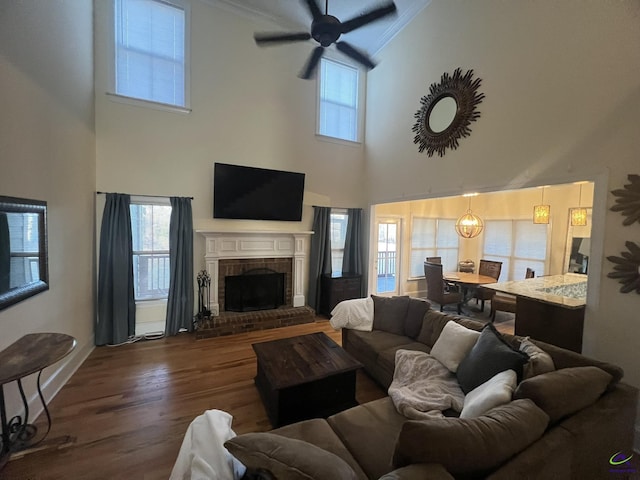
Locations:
116 303
5 254
320 253
352 259
180 302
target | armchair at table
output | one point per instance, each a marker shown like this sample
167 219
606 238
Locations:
492 269
502 302
437 288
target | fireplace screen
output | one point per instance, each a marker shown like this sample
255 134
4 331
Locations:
259 289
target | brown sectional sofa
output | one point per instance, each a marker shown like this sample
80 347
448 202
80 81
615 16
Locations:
555 429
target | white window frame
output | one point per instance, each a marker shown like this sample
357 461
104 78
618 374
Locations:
113 95
359 104
508 274
430 251
153 201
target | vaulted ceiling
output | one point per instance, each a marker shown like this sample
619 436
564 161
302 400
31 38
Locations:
293 15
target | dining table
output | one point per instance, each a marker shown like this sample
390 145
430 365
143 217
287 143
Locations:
468 282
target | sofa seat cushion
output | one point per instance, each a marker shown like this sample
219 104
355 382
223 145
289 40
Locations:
319 433
370 344
369 432
471 445
287 457
563 392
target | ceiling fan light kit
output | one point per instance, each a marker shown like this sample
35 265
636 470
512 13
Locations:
326 30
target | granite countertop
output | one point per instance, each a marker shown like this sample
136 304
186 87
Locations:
568 290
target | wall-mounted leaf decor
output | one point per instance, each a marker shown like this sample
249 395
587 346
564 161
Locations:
628 201
627 268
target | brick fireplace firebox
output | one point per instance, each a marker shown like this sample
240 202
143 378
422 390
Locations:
232 253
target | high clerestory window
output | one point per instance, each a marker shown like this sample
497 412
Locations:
151 51
338 111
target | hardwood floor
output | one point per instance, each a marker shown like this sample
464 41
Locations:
128 407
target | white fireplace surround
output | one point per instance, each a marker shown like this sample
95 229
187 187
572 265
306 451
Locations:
256 244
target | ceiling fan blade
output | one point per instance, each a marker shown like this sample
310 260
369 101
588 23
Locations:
310 68
316 13
357 55
271 38
368 17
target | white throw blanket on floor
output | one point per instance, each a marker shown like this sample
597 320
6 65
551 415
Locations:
202 455
422 387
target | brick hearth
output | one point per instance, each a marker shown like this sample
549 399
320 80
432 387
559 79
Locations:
229 323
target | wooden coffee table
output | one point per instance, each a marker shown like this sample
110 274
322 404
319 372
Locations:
304 377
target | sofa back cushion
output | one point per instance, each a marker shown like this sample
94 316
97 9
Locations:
471 445
563 392
389 313
415 315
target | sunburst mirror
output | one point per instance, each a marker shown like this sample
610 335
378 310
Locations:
446 112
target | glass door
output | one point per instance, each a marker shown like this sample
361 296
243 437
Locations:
387 256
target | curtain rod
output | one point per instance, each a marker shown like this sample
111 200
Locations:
135 195
340 208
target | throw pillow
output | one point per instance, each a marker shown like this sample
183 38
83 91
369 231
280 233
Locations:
539 360
490 355
563 392
415 315
389 313
471 445
453 344
287 457
498 390
356 314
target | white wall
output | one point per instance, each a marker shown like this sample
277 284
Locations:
248 108
47 152
562 86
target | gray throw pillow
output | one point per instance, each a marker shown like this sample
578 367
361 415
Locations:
287 457
471 445
389 313
490 355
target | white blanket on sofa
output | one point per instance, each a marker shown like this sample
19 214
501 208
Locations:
202 455
422 387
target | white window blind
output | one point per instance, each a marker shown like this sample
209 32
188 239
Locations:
433 237
150 61
338 105
518 244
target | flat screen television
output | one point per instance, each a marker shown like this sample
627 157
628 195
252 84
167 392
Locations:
251 193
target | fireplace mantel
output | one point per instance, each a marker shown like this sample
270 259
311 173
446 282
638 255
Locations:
256 244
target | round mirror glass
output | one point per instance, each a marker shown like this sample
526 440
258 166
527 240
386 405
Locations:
442 114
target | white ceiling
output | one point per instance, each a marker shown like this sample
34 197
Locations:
293 15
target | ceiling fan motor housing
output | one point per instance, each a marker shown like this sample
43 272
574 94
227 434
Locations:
326 30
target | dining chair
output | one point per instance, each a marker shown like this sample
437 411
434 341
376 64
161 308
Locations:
434 259
503 302
492 269
436 291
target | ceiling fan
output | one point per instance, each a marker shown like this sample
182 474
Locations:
327 29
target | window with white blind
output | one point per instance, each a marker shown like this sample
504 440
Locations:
151 50
518 244
433 237
150 234
339 220
338 101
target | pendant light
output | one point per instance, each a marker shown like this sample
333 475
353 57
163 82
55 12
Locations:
469 225
541 212
579 215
